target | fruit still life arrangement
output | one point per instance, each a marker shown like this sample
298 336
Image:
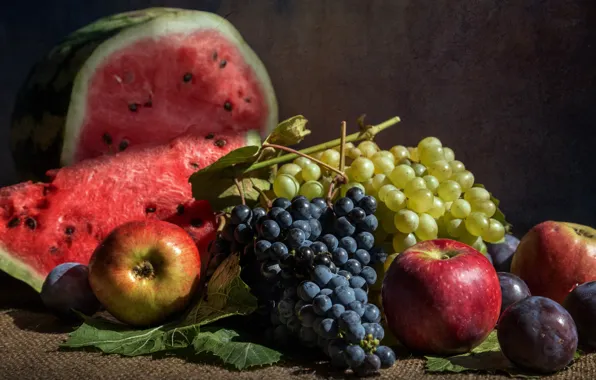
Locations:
162 208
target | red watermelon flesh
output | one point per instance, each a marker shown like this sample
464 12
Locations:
178 74
45 224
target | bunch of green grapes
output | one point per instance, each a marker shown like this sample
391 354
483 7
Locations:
423 192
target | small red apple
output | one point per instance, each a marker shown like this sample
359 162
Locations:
554 257
145 271
441 297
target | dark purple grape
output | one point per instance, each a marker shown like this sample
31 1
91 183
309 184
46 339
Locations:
274 212
281 202
315 211
305 256
343 206
304 226
538 334
365 240
357 215
284 219
320 203
581 304
369 224
257 213
240 214
330 241
513 289
343 227
300 209
502 253
340 256
315 229
349 244
270 230
355 194
295 238
368 204
319 247
363 256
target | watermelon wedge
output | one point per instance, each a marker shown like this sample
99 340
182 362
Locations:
63 220
137 78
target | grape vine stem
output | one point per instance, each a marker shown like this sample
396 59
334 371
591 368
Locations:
293 151
366 135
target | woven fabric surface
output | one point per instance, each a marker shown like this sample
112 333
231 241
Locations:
30 338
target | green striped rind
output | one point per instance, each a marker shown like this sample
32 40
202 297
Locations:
41 105
171 22
20 270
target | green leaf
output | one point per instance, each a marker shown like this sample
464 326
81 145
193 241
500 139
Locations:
499 215
227 295
115 338
229 346
289 132
216 182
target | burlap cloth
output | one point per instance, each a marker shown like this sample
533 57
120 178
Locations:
29 340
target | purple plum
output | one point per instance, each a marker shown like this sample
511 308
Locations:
581 304
502 253
513 289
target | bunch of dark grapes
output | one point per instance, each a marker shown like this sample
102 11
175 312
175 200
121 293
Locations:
310 266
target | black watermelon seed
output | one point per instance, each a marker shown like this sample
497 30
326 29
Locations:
31 223
247 100
150 209
194 165
69 230
123 145
133 107
53 249
196 222
187 77
148 104
13 222
214 56
180 209
107 138
228 106
223 63
209 136
221 143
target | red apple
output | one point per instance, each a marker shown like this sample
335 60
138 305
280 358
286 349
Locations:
554 257
145 271
441 297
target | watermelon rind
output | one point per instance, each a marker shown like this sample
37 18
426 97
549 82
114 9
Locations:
20 270
167 23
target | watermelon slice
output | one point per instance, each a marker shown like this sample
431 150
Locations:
45 224
138 78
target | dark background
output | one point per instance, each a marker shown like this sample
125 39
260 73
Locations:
509 85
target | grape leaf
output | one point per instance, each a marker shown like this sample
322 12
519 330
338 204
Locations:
227 295
289 132
116 338
229 346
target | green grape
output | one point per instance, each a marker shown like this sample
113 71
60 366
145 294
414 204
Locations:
362 169
353 153
467 238
406 221
427 228
495 231
347 146
427 142
401 242
460 208
312 189
401 175
384 190
430 154
395 200
405 161
302 161
456 227
369 189
385 217
331 157
384 153
438 209
414 154
290 169
311 172
432 183
449 190
457 166
419 169
476 194
449 154
380 180
464 178
326 182
487 207
285 186
421 200
344 188
477 223
317 156
480 246
440 169
383 165
414 185
399 152
442 225
368 148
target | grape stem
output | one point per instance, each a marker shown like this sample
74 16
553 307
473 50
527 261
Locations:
240 190
293 151
358 136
